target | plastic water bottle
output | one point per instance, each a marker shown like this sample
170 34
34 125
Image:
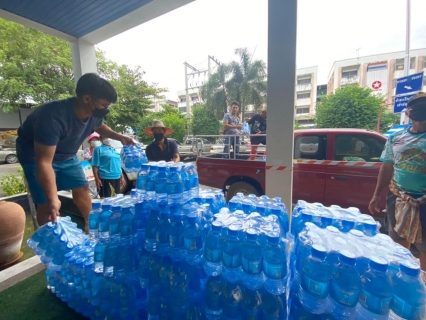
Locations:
193 178
186 196
231 255
274 265
213 300
231 301
104 222
161 181
174 187
127 233
142 179
151 229
344 286
315 280
193 240
376 291
409 295
251 304
162 233
252 261
176 237
150 185
213 250
94 219
273 306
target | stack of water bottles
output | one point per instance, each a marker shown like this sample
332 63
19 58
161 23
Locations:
132 157
246 258
343 268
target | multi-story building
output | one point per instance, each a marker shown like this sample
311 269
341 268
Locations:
159 103
306 95
379 72
194 98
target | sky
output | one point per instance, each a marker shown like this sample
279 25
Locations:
328 30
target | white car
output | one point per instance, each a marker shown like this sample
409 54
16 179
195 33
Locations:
8 155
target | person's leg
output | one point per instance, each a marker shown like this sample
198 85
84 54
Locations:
422 246
116 185
390 216
226 148
253 152
83 201
237 147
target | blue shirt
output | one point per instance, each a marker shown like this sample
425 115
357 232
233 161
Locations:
107 159
54 124
407 152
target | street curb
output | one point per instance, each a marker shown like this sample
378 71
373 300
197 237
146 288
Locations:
20 272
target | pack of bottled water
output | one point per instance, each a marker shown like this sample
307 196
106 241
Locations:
343 268
132 158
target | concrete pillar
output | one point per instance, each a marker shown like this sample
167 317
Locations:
282 25
83 58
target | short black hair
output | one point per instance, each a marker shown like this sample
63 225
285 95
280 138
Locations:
95 86
235 103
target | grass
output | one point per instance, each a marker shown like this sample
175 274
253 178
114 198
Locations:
30 300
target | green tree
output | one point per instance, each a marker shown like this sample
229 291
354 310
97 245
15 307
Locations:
350 107
243 81
204 121
170 116
33 66
388 120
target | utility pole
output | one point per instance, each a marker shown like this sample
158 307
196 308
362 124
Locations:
209 64
407 50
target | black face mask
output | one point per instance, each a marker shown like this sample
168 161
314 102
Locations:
158 136
99 113
418 114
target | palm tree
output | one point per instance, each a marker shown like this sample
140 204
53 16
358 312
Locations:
242 81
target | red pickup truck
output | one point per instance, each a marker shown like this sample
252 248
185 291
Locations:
331 166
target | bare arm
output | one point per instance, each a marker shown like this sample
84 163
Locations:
47 179
385 176
106 131
230 126
176 157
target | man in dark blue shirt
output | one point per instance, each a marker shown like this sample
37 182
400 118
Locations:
258 126
50 137
161 149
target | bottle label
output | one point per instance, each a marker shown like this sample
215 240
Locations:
404 309
344 297
251 266
316 288
212 255
231 260
274 270
231 310
375 304
193 244
251 314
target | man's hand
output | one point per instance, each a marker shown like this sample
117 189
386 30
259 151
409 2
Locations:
52 209
373 207
125 140
246 119
98 183
239 126
259 132
122 181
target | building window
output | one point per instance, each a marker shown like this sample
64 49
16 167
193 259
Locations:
424 63
182 99
350 74
304 81
424 81
302 110
306 95
194 99
399 64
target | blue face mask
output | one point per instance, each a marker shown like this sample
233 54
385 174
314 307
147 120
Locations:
95 144
106 142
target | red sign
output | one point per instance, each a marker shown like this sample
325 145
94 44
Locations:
376 85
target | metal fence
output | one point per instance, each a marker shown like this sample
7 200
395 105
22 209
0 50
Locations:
230 146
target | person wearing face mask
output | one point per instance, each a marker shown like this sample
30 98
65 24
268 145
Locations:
94 142
106 165
162 148
50 137
404 171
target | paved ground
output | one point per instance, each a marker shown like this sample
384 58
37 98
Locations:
6 169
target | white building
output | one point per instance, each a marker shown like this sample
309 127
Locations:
194 97
159 103
306 95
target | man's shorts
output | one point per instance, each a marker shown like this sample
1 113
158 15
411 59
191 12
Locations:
69 175
391 220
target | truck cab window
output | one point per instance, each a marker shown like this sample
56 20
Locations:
313 147
358 147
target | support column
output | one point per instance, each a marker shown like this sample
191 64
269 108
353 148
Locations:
83 58
282 25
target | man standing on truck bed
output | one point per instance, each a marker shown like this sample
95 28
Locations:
258 126
161 148
404 170
50 137
231 123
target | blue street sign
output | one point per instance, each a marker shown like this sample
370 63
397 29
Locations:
406 87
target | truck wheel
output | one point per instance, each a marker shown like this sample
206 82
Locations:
241 186
127 185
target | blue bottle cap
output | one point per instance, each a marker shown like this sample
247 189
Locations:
153 167
173 169
217 226
96 205
133 192
332 229
319 251
233 230
325 219
356 233
273 238
306 216
251 234
410 268
378 264
126 209
347 257
370 226
144 167
116 208
106 207
162 169
192 217
348 224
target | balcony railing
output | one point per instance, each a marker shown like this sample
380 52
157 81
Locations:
400 73
350 80
303 102
303 87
